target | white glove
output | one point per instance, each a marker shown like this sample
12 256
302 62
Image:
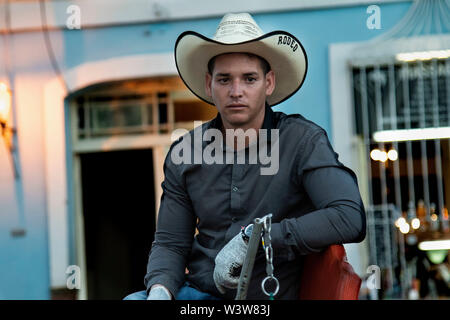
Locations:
159 293
229 263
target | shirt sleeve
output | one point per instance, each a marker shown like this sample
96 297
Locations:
333 190
174 233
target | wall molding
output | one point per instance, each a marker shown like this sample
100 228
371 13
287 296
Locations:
120 68
25 15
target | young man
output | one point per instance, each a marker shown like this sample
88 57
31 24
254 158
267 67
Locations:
313 198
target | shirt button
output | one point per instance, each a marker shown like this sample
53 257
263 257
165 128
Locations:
235 189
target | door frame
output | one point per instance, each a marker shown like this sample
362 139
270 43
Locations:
62 165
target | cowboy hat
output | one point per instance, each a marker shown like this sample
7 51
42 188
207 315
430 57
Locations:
240 33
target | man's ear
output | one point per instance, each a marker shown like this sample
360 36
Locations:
208 80
270 82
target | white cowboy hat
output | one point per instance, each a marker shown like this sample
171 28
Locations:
240 33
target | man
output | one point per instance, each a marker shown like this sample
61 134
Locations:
313 198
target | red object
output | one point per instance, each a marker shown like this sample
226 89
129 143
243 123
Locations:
328 276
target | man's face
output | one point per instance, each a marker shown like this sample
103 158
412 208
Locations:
238 88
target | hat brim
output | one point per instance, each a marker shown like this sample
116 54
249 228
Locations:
283 51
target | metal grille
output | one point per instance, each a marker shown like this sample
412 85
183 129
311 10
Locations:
398 97
102 115
386 245
405 97
402 96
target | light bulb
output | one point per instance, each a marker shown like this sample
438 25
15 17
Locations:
392 154
404 228
415 223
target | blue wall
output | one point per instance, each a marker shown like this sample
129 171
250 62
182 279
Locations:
24 265
315 28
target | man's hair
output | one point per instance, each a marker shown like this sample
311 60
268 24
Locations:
265 66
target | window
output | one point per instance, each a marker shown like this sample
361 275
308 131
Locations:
155 106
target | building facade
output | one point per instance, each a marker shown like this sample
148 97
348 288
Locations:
95 97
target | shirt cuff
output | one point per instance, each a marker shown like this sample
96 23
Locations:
166 282
282 242
162 288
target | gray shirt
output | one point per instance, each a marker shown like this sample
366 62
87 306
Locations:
313 197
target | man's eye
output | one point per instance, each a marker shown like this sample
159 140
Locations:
223 80
251 79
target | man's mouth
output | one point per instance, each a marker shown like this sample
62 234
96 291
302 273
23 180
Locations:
236 106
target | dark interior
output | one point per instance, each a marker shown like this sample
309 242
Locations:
119 220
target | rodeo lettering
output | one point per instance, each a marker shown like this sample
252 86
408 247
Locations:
288 41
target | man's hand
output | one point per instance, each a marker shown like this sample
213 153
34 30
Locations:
229 263
159 292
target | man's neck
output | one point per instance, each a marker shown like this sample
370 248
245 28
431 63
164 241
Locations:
238 134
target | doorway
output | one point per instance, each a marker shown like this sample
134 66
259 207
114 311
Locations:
119 220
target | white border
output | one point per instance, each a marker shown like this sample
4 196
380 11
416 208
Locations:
56 184
345 143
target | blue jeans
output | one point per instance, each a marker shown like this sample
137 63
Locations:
186 292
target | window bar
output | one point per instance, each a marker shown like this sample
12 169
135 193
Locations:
380 127
379 124
94 116
144 114
409 158
398 195
149 106
366 139
87 117
170 113
155 110
162 101
407 117
366 127
423 143
393 118
384 206
437 142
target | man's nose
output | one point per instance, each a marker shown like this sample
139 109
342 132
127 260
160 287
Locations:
236 89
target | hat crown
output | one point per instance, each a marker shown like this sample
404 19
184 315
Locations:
236 28
240 33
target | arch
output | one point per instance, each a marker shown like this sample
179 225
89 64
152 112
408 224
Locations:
136 66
